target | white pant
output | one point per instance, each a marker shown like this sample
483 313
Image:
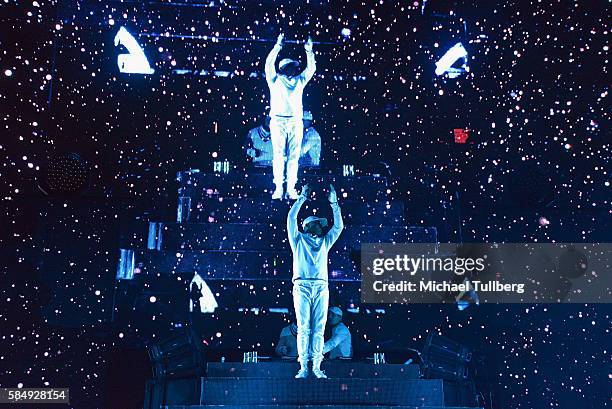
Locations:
310 300
286 133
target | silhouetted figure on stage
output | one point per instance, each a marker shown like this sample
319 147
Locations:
310 279
310 154
286 128
340 343
195 293
287 342
257 145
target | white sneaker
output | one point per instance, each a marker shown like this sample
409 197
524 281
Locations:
302 373
278 194
292 194
319 373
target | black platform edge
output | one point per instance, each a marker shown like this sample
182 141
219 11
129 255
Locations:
312 407
336 369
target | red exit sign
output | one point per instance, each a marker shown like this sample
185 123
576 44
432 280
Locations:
461 135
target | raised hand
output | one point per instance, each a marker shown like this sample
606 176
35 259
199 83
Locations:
308 45
305 191
333 196
279 40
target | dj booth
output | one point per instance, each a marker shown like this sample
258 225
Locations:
267 385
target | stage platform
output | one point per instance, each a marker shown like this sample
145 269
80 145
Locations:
270 385
311 407
258 183
335 369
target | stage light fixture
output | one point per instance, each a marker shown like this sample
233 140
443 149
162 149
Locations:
445 64
445 358
180 354
64 174
135 61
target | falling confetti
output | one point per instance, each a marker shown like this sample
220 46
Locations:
532 88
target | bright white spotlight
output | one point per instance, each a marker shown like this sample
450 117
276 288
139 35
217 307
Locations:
135 62
205 301
444 64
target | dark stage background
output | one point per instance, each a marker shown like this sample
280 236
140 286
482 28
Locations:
535 168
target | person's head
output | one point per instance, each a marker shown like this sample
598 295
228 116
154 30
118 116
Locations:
307 118
314 225
334 316
264 128
289 67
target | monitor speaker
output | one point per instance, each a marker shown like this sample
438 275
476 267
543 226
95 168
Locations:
445 358
180 354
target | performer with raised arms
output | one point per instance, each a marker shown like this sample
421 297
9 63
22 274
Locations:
286 88
310 288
